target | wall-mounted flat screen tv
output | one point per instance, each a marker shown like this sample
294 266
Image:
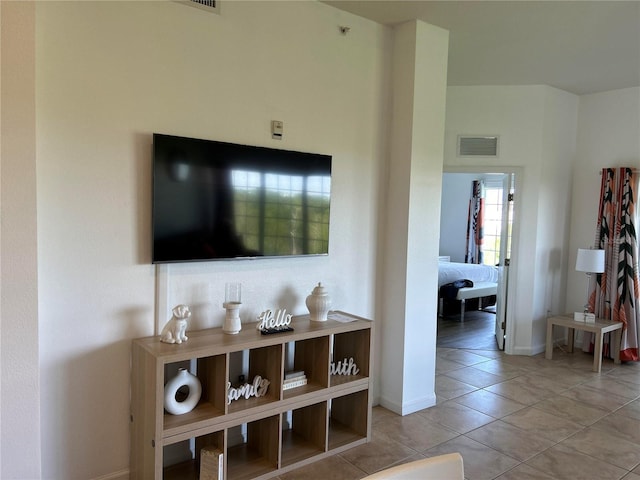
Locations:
214 200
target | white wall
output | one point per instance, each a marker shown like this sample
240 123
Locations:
608 126
520 115
109 75
20 394
558 154
456 189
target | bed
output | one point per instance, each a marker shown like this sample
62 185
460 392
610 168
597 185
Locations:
483 277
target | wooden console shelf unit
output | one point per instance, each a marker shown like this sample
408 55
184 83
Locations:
259 437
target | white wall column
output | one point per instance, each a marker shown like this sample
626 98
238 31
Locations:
410 281
19 357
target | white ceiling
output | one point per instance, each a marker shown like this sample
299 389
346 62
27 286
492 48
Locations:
579 46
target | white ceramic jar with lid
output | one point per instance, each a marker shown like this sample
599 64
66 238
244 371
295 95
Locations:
318 304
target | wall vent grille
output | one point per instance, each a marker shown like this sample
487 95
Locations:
477 146
208 5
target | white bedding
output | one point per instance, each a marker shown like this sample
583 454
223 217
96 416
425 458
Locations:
449 272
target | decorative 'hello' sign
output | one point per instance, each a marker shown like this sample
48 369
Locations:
270 323
344 367
258 388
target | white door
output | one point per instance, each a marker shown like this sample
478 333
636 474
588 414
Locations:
505 259
501 306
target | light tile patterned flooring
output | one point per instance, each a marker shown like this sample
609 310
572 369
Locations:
511 418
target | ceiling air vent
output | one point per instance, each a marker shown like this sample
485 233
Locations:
208 5
477 146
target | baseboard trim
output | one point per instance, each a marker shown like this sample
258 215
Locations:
120 475
408 408
530 350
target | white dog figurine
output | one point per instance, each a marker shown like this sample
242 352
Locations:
175 329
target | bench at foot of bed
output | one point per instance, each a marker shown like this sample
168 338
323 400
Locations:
479 290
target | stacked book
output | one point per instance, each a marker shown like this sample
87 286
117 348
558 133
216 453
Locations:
294 379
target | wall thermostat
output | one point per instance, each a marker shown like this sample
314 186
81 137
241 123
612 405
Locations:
276 129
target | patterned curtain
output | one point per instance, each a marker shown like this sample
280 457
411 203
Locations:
614 295
475 224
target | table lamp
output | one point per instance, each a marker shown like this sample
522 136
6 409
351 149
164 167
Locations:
589 261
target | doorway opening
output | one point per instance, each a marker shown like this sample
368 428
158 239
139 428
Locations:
484 323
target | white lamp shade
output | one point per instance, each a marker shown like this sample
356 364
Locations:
590 260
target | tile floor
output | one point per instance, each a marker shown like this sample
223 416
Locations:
511 418
477 332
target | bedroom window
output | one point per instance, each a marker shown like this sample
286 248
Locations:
492 224
498 209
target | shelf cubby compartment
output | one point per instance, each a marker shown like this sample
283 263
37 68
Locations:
310 356
253 452
211 371
182 459
348 419
351 345
265 362
303 433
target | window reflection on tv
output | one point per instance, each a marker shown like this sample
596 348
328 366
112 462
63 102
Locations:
215 200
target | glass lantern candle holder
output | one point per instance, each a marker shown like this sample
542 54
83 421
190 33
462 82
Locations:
232 302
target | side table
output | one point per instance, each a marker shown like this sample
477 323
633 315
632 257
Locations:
600 327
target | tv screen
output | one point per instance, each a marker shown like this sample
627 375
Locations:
214 200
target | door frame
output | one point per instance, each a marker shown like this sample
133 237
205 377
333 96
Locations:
518 175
